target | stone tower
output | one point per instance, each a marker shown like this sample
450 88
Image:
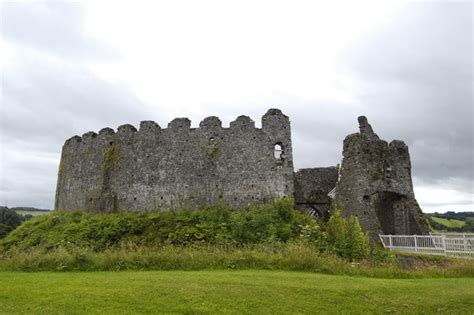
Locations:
375 184
179 166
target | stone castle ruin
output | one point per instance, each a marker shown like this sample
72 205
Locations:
375 184
240 166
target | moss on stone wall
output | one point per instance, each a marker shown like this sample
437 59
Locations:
212 148
111 157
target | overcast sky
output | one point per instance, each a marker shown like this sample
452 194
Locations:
71 67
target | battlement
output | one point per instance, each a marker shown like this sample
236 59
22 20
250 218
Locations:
272 122
154 167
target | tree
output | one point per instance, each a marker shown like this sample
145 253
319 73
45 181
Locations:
357 242
336 233
9 220
345 237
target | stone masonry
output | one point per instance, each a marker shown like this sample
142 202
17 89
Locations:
156 168
376 186
312 186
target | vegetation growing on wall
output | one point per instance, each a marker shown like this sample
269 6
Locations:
273 223
111 157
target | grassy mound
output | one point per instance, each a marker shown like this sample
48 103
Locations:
271 237
276 222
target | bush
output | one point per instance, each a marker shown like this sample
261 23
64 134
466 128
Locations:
9 220
275 222
357 242
381 256
336 233
345 237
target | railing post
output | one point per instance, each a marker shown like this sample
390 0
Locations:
390 241
416 244
443 241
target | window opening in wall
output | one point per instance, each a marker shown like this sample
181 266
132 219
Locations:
278 152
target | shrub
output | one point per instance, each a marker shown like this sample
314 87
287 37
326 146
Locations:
381 256
336 233
345 237
314 233
357 242
9 220
275 222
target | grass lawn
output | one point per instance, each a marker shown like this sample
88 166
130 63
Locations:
236 292
449 222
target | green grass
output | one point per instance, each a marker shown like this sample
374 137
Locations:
238 292
285 257
32 213
276 221
449 222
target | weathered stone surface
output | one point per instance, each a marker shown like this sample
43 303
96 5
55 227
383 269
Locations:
365 129
375 185
178 166
148 125
312 186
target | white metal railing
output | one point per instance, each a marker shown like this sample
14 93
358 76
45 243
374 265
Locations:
455 235
434 244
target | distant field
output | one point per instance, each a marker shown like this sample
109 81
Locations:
237 292
449 222
33 213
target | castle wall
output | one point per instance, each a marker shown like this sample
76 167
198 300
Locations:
179 166
312 186
376 186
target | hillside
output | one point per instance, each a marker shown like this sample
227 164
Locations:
450 223
461 222
27 211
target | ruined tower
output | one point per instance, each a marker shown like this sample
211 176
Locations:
179 166
375 184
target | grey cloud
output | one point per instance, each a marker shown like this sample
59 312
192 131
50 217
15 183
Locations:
414 82
416 78
50 26
49 96
44 104
55 99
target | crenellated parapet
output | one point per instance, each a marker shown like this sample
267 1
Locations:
211 122
165 168
274 123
